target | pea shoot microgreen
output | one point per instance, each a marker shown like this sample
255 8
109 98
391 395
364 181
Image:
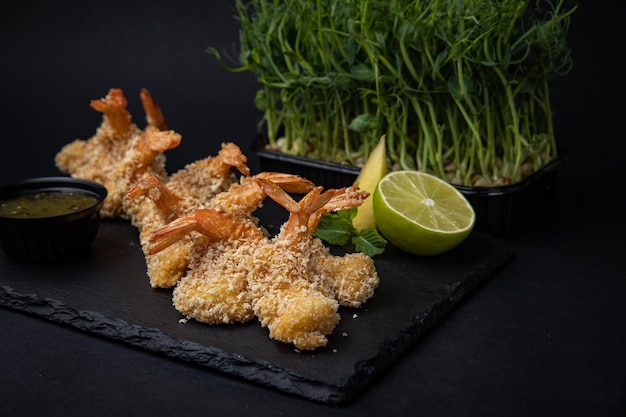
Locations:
461 88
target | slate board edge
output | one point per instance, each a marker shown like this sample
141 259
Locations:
394 348
155 340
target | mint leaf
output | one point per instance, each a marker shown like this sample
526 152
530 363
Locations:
347 214
370 242
337 229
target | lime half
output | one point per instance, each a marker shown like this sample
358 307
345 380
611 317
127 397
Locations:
420 213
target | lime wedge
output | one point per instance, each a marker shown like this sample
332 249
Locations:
374 169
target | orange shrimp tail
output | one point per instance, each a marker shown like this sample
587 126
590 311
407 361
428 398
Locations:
153 188
154 115
299 212
346 198
165 236
149 186
291 183
113 106
220 225
159 141
216 225
277 194
343 199
231 156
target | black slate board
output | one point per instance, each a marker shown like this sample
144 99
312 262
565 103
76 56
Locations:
108 294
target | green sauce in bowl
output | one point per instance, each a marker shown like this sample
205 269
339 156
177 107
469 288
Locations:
46 204
49 219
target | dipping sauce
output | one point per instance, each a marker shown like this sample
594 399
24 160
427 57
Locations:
46 204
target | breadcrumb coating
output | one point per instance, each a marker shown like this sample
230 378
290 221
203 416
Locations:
215 289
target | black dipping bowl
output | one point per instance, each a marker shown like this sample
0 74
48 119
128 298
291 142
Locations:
55 238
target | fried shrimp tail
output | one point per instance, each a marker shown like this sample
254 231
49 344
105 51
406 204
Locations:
113 107
343 199
231 156
290 183
170 233
153 142
214 224
96 157
144 157
246 196
154 115
300 213
158 193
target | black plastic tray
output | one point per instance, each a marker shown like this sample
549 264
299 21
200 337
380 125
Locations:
499 210
326 174
502 210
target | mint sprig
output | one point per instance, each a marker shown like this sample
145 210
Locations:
337 229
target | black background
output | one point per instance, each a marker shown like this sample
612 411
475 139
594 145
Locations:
543 337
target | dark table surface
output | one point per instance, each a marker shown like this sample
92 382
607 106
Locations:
544 336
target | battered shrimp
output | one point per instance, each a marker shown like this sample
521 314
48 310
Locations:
100 158
291 294
192 187
144 157
94 158
353 275
214 289
180 196
237 272
198 182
